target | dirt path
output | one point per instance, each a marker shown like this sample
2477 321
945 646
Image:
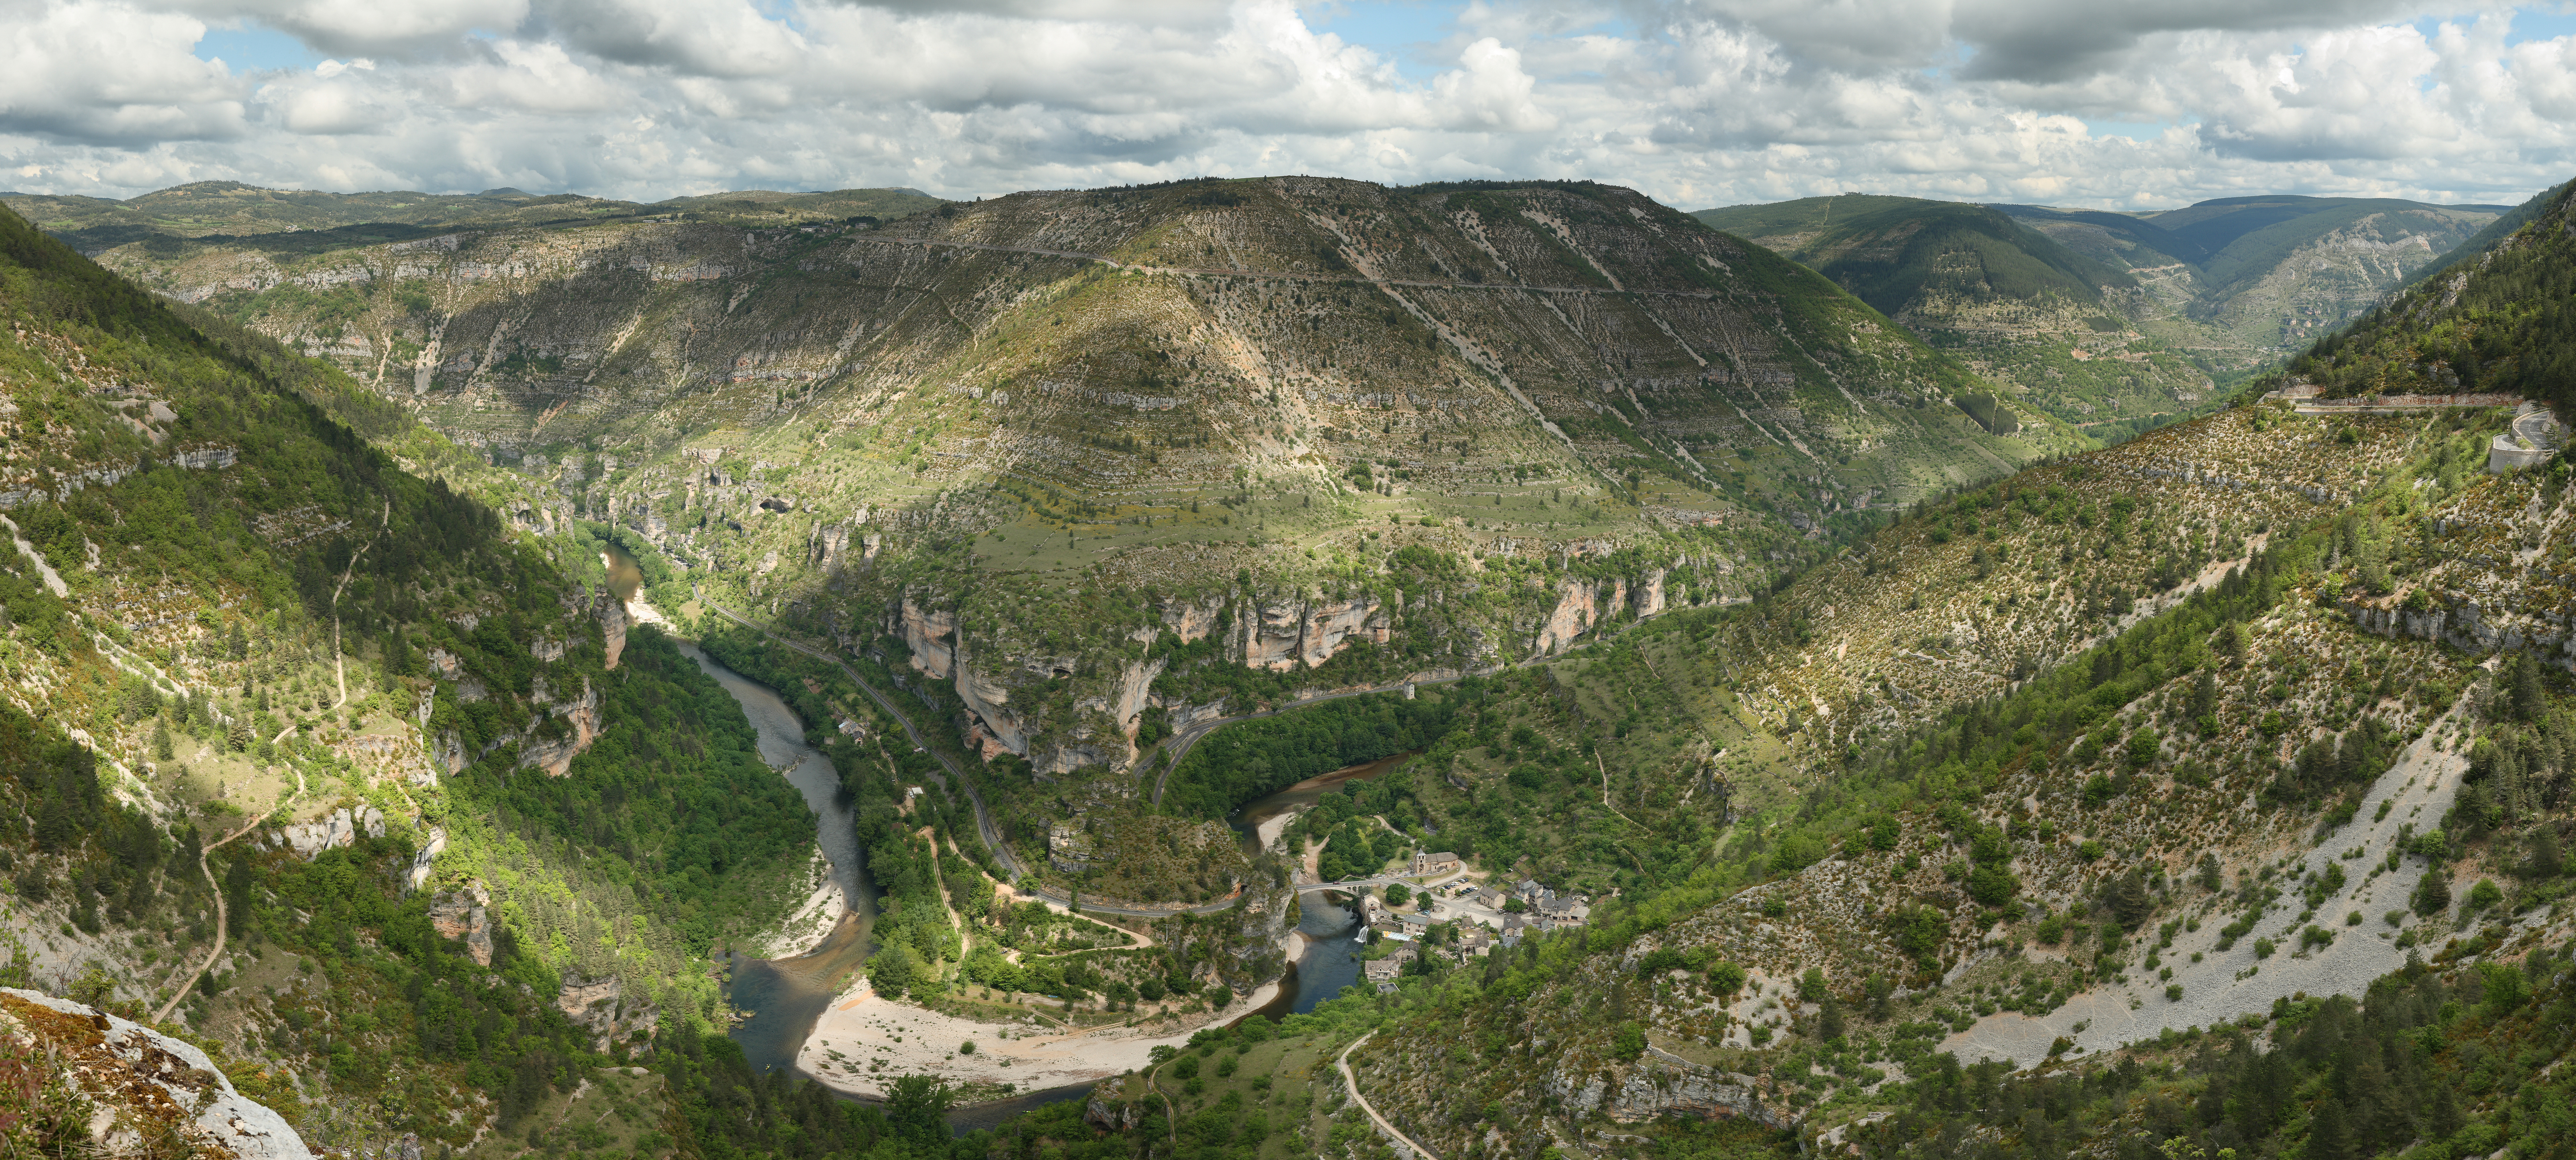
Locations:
176 996
1352 1082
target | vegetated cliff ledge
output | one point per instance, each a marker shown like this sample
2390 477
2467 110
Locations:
104 1082
1029 705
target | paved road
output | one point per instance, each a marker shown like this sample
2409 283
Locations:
1352 1082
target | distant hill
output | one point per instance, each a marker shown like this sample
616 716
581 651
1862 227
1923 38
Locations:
230 209
2111 320
1891 250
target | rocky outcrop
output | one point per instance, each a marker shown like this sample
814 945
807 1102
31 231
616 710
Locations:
612 626
582 717
989 701
143 1084
931 634
465 914
602 1009
1135 689
1112 1115
1192 622
1576 611
329 832
424 862
2467 625
1279 635
1661 1083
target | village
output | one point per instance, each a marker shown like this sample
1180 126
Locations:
1456 920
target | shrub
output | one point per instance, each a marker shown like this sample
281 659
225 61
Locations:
2317 936
1726 978
2484 895
2433 893
2173 993
2263 948
1630 1042
2089 850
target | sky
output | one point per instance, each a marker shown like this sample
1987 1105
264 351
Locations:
1699 103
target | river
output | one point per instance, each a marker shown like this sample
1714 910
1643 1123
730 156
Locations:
1331 961
786 996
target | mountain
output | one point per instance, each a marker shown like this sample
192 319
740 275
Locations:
2110 320
1018 435
2202 790
2257 275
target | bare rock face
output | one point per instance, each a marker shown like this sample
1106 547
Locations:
464 914
1578 608
1661 1083
931 635
425 861
328 832
555 755
1112 1115
602 1009
612 626
1192 622
141 1082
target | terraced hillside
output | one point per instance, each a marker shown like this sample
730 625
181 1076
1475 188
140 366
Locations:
1026 434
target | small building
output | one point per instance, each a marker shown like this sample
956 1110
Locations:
1382 973
1443 862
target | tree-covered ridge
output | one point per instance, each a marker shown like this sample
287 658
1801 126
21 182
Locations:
2500 321
1247 760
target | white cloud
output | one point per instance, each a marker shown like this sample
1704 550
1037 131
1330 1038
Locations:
1698 102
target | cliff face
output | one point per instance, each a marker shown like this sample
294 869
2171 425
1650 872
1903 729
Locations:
134 1085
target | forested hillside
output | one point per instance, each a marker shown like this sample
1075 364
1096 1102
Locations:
236 629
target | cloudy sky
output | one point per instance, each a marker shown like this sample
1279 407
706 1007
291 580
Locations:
1699 102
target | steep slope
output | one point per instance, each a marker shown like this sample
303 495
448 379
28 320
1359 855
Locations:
2308 798
318 761
1017 433
2497 321
2241 280
2111 320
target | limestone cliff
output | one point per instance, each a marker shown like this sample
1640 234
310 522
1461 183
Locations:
140 1088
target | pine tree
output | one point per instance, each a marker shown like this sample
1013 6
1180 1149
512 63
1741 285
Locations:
2329 1136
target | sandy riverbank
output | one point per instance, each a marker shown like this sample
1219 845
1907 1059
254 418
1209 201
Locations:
861 1026
812 921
